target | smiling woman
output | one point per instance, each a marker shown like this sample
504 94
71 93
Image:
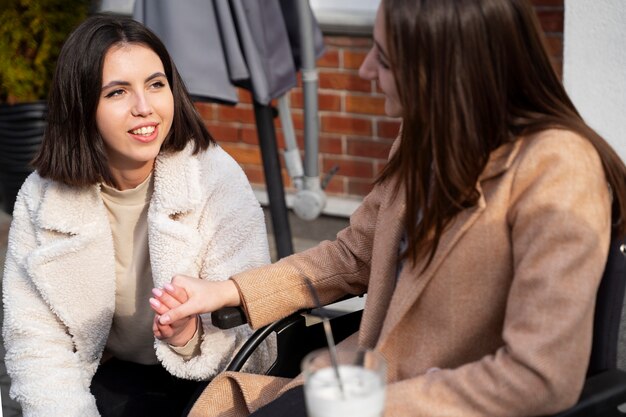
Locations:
129 190
135 112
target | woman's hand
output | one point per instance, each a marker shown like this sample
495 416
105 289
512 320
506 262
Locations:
198 296
177 333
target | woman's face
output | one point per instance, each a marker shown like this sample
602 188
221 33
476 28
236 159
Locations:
135 111
376 67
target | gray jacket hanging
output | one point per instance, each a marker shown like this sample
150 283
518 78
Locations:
220 44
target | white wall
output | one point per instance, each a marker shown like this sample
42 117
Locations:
354 5
594 65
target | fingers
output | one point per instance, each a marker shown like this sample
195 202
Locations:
158 307
175 314
176 291
164 332
176 336
156 327
165 298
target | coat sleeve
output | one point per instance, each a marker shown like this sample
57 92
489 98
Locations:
559 216
46 376
233 230
336 268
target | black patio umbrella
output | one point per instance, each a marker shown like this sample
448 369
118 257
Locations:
259 45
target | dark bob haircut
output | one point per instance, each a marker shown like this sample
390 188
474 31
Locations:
73 151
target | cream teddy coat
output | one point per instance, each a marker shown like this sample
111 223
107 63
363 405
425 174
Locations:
59 278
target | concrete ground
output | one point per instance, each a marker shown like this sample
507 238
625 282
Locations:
305 235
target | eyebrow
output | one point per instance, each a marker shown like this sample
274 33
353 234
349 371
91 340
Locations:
126 83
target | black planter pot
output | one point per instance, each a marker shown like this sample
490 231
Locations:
21 131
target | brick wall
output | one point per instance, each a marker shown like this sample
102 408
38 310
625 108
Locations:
355 134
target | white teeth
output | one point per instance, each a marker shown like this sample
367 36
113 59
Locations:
146 130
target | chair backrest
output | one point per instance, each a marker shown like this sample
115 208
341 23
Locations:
608 313
294 337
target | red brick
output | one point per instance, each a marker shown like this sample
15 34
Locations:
243 154
255 174
206 110
388 128
365 104
551 20
223 132
346 125
330 59
353 59
336 185
359 187
343 81
241 113
358 42
326 101
330 144
245 96
368 148
248 134
329 102
349 167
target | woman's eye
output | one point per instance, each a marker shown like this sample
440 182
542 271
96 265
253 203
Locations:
157 84
381 61
115 93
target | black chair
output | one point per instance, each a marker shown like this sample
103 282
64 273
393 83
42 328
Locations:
605 386
296 335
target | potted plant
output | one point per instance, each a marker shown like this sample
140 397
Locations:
31 35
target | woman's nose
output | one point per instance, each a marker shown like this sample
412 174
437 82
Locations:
141 106
368 69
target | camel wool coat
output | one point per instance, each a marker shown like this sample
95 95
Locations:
59 278
498 324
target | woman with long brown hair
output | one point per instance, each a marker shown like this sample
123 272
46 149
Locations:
483 242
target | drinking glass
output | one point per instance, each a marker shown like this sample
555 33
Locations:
361 391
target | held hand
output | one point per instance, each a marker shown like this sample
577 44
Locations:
203 297
177 333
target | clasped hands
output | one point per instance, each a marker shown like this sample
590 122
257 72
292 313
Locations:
178 304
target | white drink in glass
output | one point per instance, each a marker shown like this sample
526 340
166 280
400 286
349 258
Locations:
363 388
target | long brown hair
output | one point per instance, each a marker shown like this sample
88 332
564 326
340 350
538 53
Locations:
470 75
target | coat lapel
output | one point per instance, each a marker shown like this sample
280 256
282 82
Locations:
380 290
413 280
73 264
174 215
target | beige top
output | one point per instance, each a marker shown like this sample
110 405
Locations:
131 338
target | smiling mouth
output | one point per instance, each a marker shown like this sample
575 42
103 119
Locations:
144 131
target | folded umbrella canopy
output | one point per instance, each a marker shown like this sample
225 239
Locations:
219 45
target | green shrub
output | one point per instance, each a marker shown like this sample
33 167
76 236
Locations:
31 35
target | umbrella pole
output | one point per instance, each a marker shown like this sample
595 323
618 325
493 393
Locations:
264 117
